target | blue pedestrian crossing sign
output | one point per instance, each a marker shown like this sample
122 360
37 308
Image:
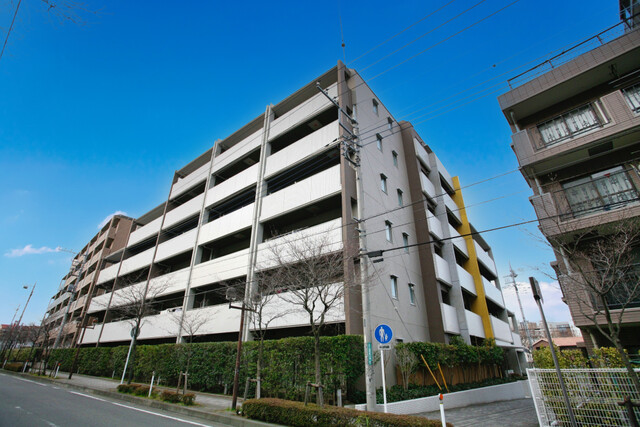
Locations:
383 334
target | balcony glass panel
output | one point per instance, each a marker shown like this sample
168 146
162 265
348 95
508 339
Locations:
632 95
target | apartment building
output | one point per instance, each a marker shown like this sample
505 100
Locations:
576 125
285 176
77 287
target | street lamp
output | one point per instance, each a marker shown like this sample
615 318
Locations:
8 343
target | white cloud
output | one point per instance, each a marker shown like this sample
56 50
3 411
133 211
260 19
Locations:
555 310
108 218
30 250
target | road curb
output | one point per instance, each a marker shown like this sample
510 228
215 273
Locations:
220 417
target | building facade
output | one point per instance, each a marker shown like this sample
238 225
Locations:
286 176
69 305
576 130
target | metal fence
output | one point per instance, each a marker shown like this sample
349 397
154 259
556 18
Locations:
594 395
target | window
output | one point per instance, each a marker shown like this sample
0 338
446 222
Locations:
400 201
412 294
375 107
388 229
632 95
389 123
379 141
405 242
569 124
394 287
602 191
395 158
383 182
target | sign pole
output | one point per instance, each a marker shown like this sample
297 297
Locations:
384 384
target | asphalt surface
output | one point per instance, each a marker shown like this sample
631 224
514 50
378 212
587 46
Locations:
511 413
32 404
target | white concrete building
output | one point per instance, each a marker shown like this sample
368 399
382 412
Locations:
283 174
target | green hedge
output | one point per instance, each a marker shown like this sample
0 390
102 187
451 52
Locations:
285 412
603 357
457 353
287 366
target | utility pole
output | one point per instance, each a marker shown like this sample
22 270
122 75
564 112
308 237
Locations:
513 283
77 270
351 152
20 318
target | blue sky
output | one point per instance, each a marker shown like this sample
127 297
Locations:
94 118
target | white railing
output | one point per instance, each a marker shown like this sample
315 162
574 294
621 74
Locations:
474 323
190 180
233 185
458 240
442 269
227 224
145 231
485 259
501 329
427 186
466 280
493 293
422 154
594 395
177 245
435 225
451 205
450 319
183 211
302 149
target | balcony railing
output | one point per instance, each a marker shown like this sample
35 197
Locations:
604 191
568 125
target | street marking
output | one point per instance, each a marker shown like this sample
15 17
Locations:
86 395
162 415
29 381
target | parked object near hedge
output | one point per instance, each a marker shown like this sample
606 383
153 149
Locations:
290 413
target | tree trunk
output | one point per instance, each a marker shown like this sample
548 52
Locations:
259 367
316 347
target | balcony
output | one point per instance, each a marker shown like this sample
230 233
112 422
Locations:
183 211
179 244
501 330
145 231
328 234
422 154
442 269
552 148
302 149
302 112
458 241
136 262
450 319
435 225
474 323
190 180
427 186
237 151
233 185
466 280
108 273
485 259
452 207
305 192
227 224
517 341
219 269
493 293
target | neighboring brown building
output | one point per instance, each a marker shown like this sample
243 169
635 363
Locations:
563 343
81 279
576 133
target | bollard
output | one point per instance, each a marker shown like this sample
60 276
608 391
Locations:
444 424
339 397
153 376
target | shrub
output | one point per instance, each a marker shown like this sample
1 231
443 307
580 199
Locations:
290 413
170 396
141 390
189 399
14 366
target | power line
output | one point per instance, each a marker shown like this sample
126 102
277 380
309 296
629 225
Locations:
402 31
13 20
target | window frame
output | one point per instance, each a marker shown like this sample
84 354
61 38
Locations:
384 184
405 242
394 287
376 106
400 197
394 156
412 293
388 228
379 141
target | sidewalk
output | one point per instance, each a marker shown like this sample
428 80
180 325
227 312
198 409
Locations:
511 413
208 406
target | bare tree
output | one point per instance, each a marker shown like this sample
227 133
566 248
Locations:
407 361
309 271
263 310
188 324
603 277
133 303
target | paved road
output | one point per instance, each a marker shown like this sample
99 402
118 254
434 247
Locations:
32 404
512 413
